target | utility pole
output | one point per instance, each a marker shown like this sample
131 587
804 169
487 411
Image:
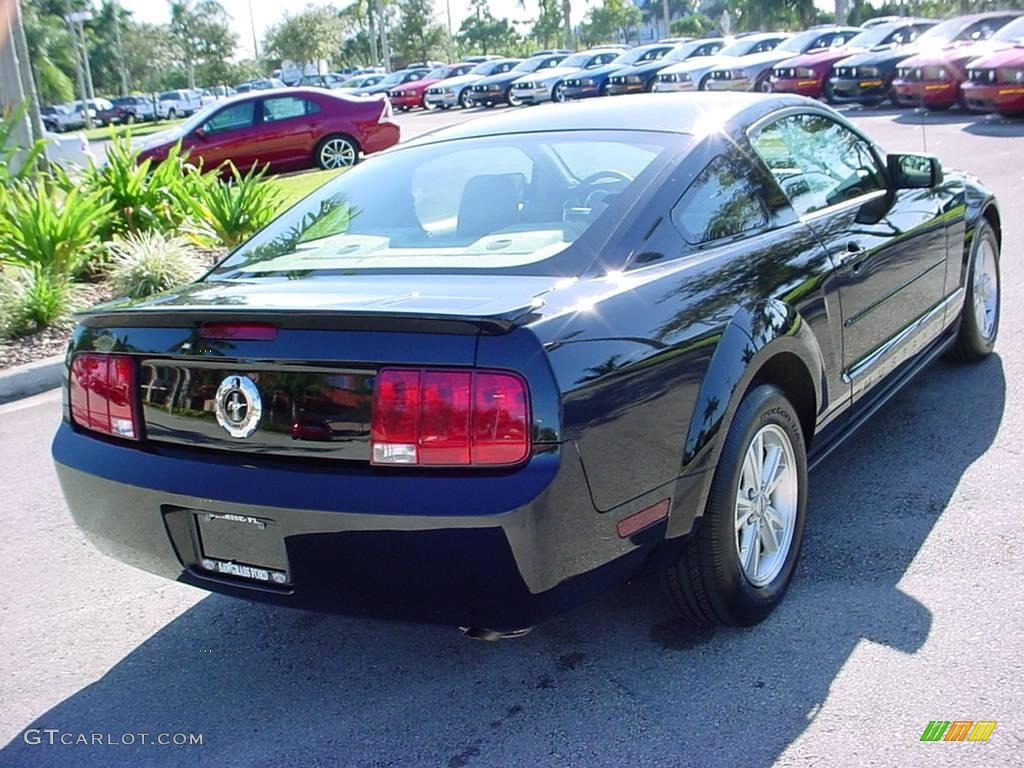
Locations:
385 49
28 80
121 68
668 18
11 91
83 93
451 40
252 28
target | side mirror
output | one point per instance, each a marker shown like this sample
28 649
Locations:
201 132
914 171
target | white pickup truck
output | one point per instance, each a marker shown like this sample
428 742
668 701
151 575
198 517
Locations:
179 103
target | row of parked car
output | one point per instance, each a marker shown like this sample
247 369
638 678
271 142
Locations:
974 61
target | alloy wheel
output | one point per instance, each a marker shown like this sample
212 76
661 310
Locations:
767 498
337 153
558 94
986 289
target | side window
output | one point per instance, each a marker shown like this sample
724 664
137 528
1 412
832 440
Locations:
283 108
721 202
239 115
708 50
817 162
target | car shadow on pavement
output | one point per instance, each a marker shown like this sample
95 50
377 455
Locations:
618 682
997 127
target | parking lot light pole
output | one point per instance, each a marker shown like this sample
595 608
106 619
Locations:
83 92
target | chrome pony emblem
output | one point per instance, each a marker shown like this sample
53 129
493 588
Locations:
238 406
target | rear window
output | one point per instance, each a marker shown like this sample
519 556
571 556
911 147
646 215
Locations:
502 202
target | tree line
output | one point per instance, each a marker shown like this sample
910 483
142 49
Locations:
199 47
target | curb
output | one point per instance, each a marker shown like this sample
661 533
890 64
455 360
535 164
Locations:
31 378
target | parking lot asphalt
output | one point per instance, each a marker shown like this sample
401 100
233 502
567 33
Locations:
906 608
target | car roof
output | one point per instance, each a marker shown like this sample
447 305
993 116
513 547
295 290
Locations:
665 113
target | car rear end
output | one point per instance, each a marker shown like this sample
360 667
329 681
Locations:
400 466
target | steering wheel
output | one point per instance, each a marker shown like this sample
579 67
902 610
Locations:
588 186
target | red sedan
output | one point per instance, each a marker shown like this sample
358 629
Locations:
932 79
286 130
808 74
996 83
414 94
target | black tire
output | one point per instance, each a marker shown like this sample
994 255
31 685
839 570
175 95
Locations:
464 98
423 102
558 93
703 86
511 99
649 88
603 90
972 343
763 84
828 92
342 146
707 584
172 113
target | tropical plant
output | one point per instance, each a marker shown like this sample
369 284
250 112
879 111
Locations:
49 230
229 212
142 196
32 299
17 162
150 262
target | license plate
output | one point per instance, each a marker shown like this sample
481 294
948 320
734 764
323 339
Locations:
241 545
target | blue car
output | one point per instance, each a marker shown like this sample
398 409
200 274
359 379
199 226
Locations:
594 82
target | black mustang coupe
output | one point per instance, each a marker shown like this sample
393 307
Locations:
483 376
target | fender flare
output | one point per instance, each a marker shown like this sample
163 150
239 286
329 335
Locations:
753 336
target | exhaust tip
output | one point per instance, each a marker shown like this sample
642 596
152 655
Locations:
493 635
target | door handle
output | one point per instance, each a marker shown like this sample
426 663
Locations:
852 255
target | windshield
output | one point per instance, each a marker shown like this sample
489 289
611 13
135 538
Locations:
495 202
484 68
869 38
530 65
437 74
797 43
1011 32
631 56
739 48
683 52
945 32
393 79
577 61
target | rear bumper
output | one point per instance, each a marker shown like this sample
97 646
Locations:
802 86
501 550
858 90
1005 98
381 136
914 93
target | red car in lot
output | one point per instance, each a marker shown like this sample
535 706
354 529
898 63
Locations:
932 79
284 129
809 73
995 83
414 94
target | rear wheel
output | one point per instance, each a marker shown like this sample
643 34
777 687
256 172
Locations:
129 119
603 91
736 567
337 152
423 102
979 319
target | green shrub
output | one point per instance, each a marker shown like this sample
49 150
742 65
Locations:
51 231
151 262
143 196
227 213
32 299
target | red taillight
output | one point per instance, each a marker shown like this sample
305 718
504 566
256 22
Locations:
449 418
101 392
